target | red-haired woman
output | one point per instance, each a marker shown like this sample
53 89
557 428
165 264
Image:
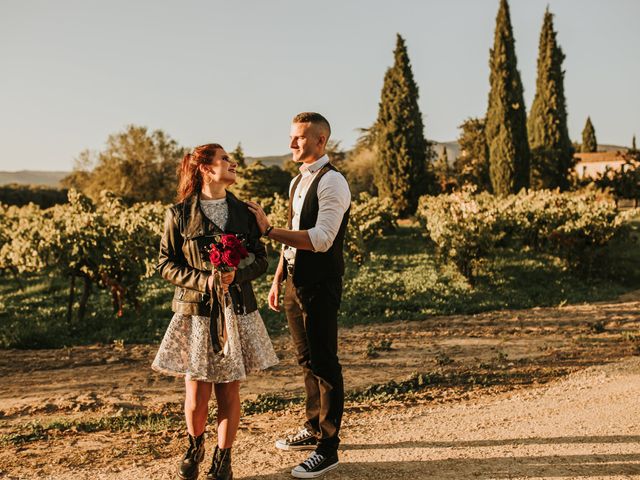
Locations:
193 346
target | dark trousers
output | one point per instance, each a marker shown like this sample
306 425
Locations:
312 314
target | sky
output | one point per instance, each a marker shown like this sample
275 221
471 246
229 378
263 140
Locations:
72 72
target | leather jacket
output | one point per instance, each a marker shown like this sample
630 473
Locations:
186 232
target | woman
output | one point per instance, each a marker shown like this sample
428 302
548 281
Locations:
193 346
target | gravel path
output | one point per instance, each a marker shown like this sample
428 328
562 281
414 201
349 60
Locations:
585 426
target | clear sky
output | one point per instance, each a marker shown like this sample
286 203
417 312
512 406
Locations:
75 71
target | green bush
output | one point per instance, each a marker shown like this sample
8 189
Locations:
468 227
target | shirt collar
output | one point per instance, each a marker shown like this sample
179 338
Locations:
311 168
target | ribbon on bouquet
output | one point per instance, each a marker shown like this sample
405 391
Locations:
216 317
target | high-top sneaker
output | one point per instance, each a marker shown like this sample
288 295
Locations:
221 465
188 468
316 465
303 440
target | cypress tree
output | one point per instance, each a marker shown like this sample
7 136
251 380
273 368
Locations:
506 122
472 165
238 156
589 142
442 170
402 151
633 144
551 149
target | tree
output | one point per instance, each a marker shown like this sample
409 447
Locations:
472 165
506 127
633 145
551 149
259 181
136 165
335 152
291 167
443 172
589 142
359 165
402 151
238 156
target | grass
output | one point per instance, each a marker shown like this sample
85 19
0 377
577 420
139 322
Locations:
402 281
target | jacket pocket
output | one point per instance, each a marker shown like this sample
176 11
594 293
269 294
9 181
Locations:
187 295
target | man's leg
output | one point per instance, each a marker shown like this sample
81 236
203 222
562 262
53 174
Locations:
320 303
295 319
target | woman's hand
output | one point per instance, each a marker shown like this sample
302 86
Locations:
227 278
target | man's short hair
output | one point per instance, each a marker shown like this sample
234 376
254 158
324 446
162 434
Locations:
313 118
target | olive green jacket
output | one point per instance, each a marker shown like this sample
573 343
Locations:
187 231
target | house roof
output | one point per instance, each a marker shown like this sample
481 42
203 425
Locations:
602 157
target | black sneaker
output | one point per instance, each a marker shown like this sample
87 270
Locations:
316 465
303 440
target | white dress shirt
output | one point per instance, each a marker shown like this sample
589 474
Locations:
334 198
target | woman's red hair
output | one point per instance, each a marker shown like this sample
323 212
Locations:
189 176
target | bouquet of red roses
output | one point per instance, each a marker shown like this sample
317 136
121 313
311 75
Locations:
226 252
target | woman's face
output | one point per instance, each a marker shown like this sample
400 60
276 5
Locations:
222 169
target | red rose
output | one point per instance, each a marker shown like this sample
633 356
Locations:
243 252
230 241
215 256
231 258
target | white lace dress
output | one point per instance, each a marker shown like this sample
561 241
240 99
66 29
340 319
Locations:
186 348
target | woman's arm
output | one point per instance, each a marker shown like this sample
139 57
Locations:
171 262
259 266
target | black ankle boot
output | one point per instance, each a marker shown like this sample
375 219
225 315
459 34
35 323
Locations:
188 468
221 465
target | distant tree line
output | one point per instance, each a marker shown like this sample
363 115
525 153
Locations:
43 196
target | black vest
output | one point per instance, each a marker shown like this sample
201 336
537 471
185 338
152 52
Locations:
312 267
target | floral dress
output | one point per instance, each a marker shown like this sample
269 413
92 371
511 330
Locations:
186 348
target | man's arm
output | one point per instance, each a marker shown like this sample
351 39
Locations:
274 292
294 238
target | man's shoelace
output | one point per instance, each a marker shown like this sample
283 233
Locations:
299 436
313 461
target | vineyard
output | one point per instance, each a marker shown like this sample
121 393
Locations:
83 272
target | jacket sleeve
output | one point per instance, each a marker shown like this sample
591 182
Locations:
172 264
254 244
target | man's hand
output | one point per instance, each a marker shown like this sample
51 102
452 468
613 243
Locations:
261 217
274 296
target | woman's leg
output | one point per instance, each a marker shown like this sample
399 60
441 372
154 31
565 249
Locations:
228 398
196 405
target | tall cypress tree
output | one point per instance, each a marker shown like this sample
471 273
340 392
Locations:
472 165
551 149
589 142
238 156
506 123
402 150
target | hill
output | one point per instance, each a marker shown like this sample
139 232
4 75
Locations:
52 179
32 177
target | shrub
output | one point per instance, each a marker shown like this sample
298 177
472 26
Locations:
467 227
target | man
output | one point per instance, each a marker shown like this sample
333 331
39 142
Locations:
311 261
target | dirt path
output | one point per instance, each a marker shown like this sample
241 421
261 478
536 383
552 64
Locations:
541 393
585 426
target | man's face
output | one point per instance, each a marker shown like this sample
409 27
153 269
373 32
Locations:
307 142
